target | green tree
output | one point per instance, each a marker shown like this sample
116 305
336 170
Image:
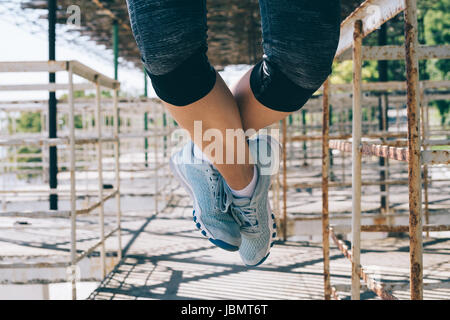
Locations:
29 122
437 31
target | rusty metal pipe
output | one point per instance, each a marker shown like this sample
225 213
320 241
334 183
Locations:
356 159
73 204
325 171
101 216
373 285
414 159
424 104
117 173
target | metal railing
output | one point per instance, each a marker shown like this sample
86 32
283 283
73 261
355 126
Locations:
96 81
358 25
93 146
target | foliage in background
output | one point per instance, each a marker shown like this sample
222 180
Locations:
28 122
437 31
434 29
31 154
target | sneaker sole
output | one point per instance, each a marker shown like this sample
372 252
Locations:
273 232
197 213
259 263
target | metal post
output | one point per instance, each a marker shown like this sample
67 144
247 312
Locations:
164 122
305 156
73 206
414 170
382 118
145 83
98 121
325 169
85 157
116 48
165 152
145 121
356 159
385 107
330 120
117 173
284 181
276 187
291 149
146 139
426 137
170 146
156 164
52 112
342 130
423 105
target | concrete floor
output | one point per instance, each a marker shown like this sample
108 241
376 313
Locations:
169 259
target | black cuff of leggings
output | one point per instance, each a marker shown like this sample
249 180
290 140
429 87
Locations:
276 91
187 83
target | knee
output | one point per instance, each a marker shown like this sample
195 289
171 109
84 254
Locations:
280 90
307 71
285 79
181 83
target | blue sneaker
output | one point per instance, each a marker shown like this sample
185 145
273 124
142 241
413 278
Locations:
258 227
211 197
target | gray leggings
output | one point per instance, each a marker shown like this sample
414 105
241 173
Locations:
300 38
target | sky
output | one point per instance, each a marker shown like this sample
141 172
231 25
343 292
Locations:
19 44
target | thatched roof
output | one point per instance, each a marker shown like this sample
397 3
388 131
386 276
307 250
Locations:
234 35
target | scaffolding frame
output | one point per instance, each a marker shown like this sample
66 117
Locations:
358 25
96 80
339 97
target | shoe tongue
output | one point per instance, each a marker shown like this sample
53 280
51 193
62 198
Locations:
240 202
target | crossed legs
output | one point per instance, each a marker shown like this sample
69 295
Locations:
300 39
218 111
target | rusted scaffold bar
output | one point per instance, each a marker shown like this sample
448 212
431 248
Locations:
73 68
414 161
385 53
425 167
373 285
412 154
314 216
156 161
117 172
389 85
101 216
356 159
325 170
372 19
396 153
73 206
373 135
390 228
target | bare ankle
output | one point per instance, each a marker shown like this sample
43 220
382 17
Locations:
240 176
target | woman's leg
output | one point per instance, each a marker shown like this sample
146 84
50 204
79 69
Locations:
171 36
299 40
218 111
